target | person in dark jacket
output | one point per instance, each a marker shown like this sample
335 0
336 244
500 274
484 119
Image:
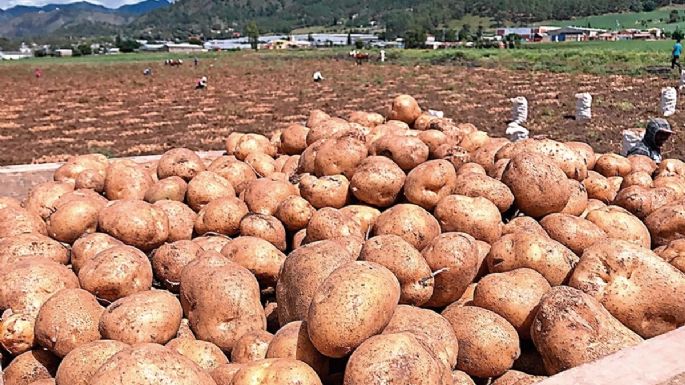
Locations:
658 132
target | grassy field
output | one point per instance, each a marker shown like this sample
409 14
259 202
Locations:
641 20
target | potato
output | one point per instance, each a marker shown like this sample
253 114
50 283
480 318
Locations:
221 216
488 344
126 180
514 295
205 354
403 260
135 223
671 167
327 129
577 203
159 364
327 191
634 285
411 222
262 164
237 173
405 109
169 260
28 283
29 245
276 371
364 215
523 224
478 185
303 271
221 301
79 366
15 221
88 246
667 224
180 162
338 322
461 378
260 257
429 182
74 216
253 143
251 347
534 251
223 374
9 202
470 168
42 197
592 205
397 358
212 243
587 154
642 201
16 332
232 141
434 139
67 320
433 330
294 213
514 377
618 223
31 366
639 178
294 139
477 217
265 227
181 219
642 163
456 155
76 165
600 188
290 166
206 187
569 161
263 196
571 328
673 253
90 179
377 181
575 233
329 223
307 162
610 165
423 121
172 188
453 257
676 183
339 156
368 119
116 272
406 151
292 341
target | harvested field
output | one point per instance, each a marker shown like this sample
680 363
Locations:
113 109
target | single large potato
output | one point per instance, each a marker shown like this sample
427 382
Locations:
172 188
221 216
453 257
411 222
116 273
181 219
292 341
329 223
641 201
15 221
127 180
280 371
613 165
67 320
366 216
327 191
477 217
637 287
238 173
266 227
571 162
600 188
377 181
578 201
262 258
206 187
136 223
251 346
430 182
42 197
571 328
150 364
205 354
79 366
523 223
666 224
253 143
405 109
88 246
28 245
340 156
17 332
479 185
263 195
180 162
488 344
354 303
395 358
34 365
534 251
407 151
618 223
585 151
294 139
75 214
295 213
76 165
514 295
673 253
573 232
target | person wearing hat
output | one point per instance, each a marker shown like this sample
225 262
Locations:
657 134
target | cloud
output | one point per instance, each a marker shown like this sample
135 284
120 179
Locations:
4 4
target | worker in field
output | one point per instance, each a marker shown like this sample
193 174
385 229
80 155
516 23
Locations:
675 56
317 77
657 134
202 83
38 73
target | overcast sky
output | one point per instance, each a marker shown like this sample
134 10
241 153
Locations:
4 4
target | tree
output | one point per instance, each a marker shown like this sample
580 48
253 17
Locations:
415 38
678 34
252 32
673 17
649 5
349 38
450 35
126 45
359 44
84 49
465 33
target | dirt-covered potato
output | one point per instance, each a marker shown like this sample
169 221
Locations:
135 223
76 165
514 295
127 180
407 263
292 341
636 286
75 214
205 354
232 141
488 344
538 184
673 253
434 139
592 205
238 173
42 197
294 213
206 187
221 300
429 182
29 245
68 320
398 358
276 371
304 270
364 215
88 246
15 221
676 183
377 181
172 188
90 179
523 224
577 202
266 227
169 260
367 119
477 217
339 156
79 366
213 243
329 223
221 216
453 258
569 161
180 162
461 378
116 272
257 255
562 335
328 129
327 191
290 166
429 327
263 196
294 139
17 332
253 143
641 201
671 167
639 178
307 161
262 164
181 219
618 223
534 251
411 222
479 185
666 224
406 151
642 163
573 232
613 165
352 304
29 367
160 365
251 346
600 188
405 109
585 151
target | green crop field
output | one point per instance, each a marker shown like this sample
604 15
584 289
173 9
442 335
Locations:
640 20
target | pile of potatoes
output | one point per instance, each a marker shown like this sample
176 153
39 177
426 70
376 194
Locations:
403 249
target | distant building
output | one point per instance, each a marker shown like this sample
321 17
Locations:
527 33
63 52
182 48
575 34
23 53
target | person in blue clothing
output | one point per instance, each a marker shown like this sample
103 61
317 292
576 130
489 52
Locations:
675 59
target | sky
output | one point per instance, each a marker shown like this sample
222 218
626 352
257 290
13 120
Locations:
4 4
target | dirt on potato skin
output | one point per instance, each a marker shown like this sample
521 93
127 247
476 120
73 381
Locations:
115 110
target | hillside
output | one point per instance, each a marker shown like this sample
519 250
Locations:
659 18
